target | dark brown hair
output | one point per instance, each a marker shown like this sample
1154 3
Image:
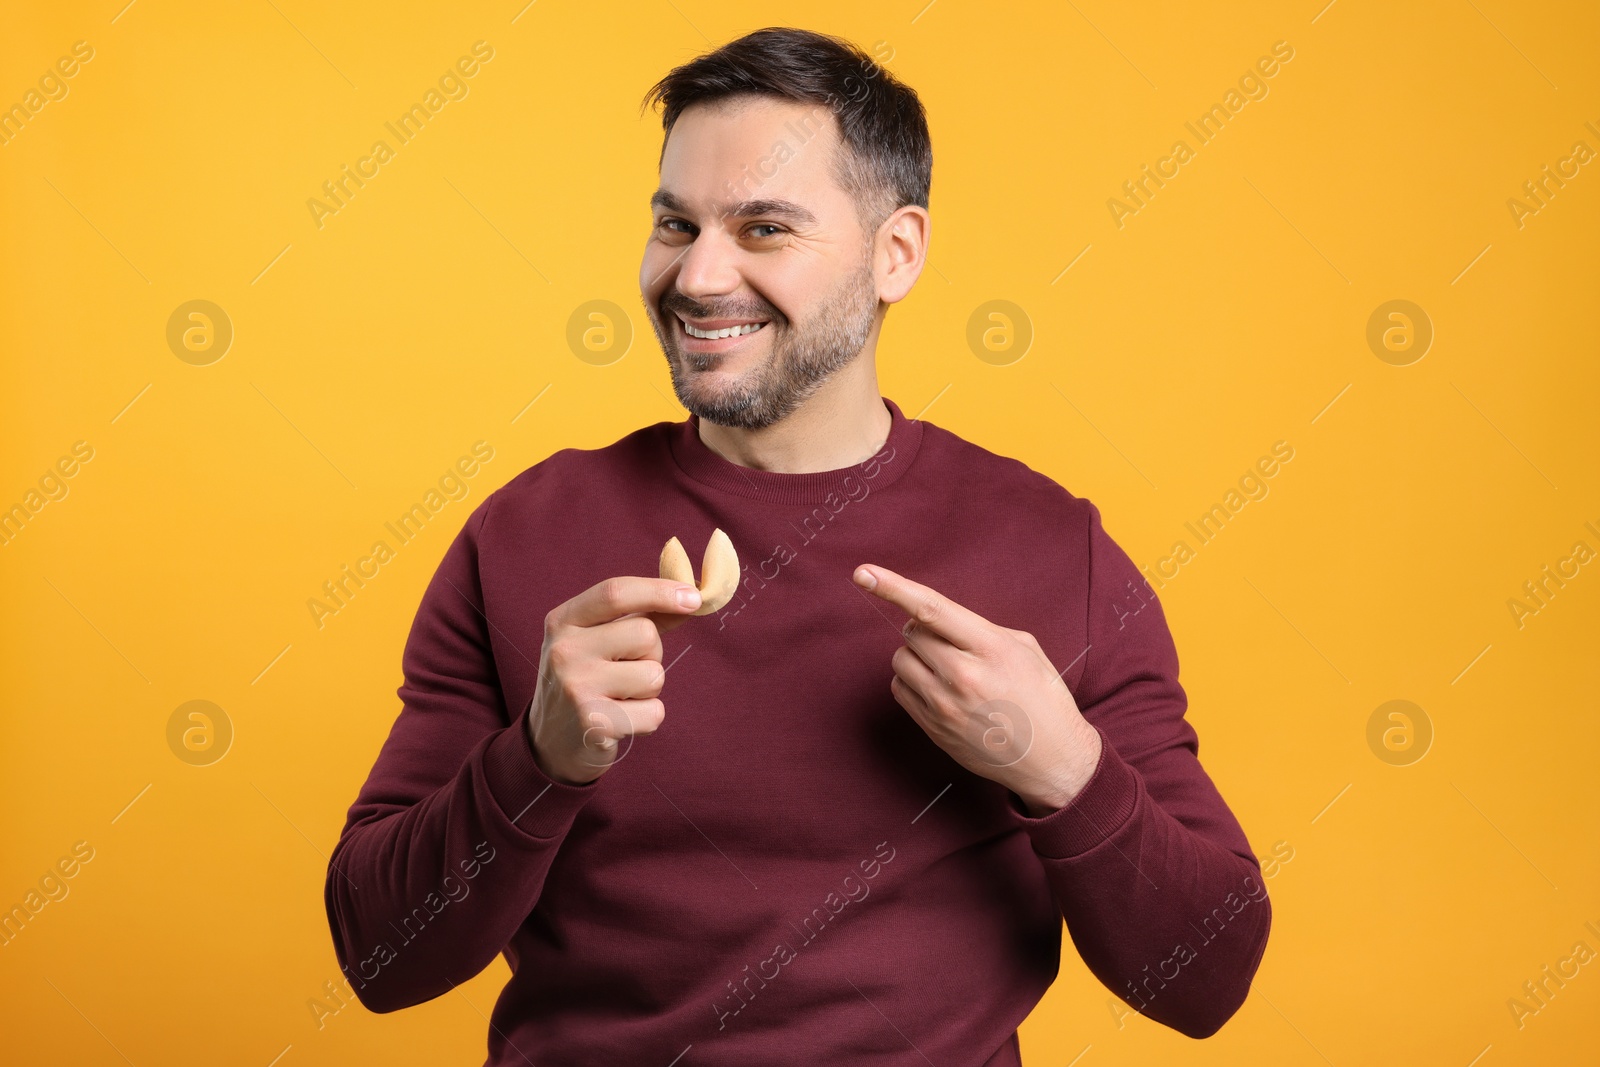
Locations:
887 158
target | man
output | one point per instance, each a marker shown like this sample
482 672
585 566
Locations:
827 838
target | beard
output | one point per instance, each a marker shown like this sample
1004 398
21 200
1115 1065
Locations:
803 357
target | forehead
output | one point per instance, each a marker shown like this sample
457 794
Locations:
752 147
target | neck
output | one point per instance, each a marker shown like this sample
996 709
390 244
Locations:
843 423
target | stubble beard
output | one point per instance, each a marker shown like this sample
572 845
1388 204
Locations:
801 361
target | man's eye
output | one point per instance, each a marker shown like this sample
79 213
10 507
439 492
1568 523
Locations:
668 224
766 226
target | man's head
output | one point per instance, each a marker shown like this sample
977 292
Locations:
794 194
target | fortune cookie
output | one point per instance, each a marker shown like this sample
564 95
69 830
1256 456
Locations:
719 570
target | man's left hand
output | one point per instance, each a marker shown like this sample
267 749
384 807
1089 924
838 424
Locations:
987 695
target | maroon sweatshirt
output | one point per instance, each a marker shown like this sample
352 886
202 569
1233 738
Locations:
788 870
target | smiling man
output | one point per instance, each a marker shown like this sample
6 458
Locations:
825 837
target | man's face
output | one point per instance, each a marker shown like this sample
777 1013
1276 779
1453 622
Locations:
750 227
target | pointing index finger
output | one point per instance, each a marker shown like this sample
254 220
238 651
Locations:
960 626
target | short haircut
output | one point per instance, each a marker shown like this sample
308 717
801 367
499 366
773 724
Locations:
886 160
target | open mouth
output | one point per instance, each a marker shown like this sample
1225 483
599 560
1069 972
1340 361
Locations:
725 335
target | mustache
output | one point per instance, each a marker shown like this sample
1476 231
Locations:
676 301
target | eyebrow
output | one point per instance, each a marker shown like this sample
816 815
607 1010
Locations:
777 209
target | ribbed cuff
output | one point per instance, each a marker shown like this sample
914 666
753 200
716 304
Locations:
531 801
1104 805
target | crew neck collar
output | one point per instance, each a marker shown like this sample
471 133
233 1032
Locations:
699 462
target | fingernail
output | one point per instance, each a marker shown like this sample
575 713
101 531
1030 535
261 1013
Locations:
866 577
689 597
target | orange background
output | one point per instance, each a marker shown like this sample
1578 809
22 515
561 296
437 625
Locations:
1167 354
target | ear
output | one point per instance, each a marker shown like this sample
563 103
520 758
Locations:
902 249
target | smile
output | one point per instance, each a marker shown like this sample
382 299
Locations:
729 331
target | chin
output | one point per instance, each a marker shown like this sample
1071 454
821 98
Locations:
731 406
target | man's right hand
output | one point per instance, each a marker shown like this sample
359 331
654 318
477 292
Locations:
600 673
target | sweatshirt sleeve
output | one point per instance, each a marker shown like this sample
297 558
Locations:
445 850
1158 886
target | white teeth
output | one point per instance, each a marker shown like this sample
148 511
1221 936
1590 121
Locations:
731 331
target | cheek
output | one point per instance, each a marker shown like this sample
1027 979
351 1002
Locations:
792 285
802 289
651 284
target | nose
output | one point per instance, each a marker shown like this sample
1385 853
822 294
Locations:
709 267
